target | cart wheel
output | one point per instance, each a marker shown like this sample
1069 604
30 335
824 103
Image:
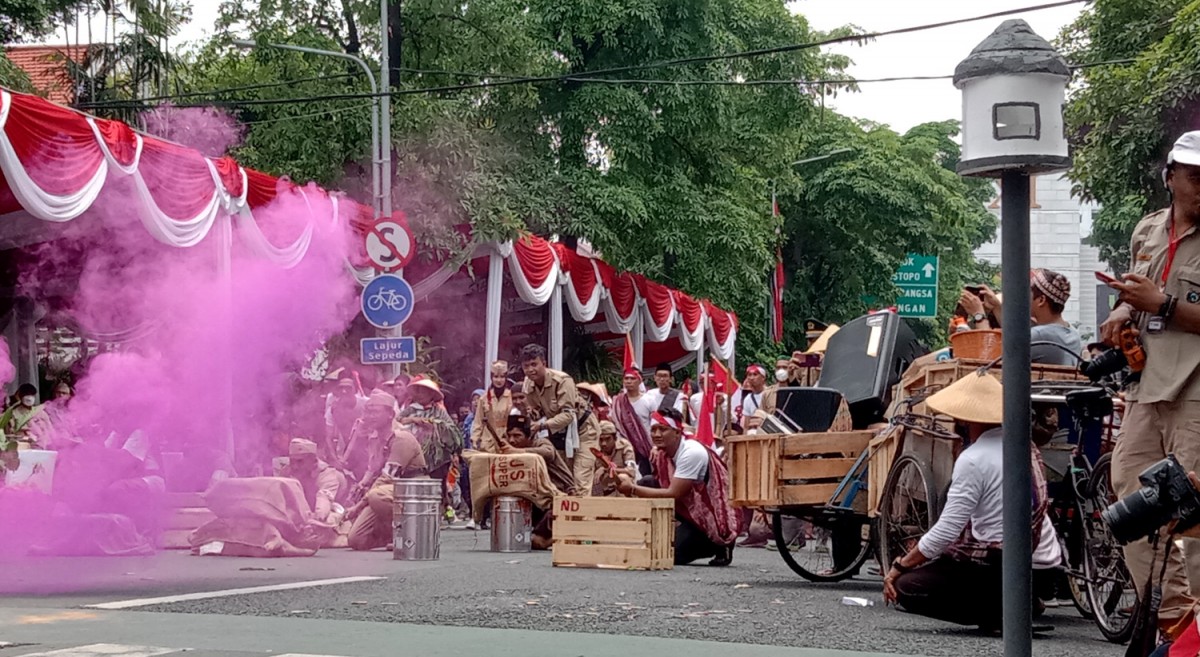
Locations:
1110 587
908 508
820 545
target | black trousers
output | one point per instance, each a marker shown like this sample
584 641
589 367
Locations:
961 592
691 543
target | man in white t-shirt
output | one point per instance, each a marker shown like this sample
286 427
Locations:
750 398
689 473
663 395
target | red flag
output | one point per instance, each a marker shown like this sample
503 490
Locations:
777 280
724 379
706 419
629 361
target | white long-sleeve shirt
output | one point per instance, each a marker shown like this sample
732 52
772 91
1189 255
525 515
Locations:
976 496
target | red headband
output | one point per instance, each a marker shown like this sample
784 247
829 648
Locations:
659 418
634 372
755 369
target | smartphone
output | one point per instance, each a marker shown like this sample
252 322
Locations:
977 290
1105 278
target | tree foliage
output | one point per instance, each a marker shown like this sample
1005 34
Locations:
663 176
850 220
1123 117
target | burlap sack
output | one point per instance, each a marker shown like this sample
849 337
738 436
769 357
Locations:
519 475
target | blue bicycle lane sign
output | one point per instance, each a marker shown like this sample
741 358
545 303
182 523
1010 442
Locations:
387 301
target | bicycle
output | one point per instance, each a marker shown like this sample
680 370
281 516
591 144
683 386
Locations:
387 298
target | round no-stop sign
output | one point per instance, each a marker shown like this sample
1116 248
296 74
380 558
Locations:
390 244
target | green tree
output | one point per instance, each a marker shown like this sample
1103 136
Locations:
850 220
1122 118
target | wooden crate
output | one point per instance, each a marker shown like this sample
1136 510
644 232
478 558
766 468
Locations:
614 532
794 470
754 464
184 513
937 375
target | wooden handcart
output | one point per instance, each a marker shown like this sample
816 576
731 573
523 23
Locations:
837 497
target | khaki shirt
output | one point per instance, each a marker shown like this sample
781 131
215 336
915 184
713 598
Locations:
558 401
491 412
1173 356
322 486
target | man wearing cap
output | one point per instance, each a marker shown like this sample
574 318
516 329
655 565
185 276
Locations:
1048 295
343 407
371 440
372 515
1160 299
954 572
621 459
812 330
695 477
561 413
631 410
664 396
322 484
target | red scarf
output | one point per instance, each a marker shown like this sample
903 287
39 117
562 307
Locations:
630 425
707 504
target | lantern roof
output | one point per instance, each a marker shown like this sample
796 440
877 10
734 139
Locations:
1012 49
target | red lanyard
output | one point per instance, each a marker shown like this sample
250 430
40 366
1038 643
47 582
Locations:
1172 246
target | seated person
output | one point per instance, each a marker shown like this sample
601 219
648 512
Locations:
1049 292
620 453
698 480
518 440
323 486
954 574
372 515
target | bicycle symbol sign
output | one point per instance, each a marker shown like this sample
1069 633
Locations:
387 301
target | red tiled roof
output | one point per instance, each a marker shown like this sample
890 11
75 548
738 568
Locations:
46 68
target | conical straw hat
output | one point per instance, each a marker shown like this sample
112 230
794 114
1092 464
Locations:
977 397
822 343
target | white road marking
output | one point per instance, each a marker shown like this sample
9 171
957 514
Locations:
145 602
302 654
105 650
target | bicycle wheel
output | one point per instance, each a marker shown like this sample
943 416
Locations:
820 545
1110 588
1073 535
909 507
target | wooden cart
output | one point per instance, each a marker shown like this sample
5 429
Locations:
836 497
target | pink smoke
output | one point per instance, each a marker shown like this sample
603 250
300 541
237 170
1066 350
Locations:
207 129
7 371
201 353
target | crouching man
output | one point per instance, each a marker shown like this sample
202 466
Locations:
953 573
696 478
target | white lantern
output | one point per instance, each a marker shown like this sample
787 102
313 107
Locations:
1013 84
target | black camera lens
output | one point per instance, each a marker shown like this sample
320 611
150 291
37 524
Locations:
1137 515
1109 362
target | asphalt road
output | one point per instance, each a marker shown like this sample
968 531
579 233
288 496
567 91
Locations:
755 601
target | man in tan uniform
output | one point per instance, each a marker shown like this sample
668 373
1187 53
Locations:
1161 298
322 484
394 454
552 398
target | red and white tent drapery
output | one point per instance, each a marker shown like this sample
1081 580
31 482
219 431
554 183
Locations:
591 286
56 164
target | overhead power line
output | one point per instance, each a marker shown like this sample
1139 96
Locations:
487 81
216 92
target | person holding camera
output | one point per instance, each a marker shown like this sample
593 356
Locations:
1160 304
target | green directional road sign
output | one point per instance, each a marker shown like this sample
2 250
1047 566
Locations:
918 283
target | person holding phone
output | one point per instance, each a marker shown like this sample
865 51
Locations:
1049 292
1160 299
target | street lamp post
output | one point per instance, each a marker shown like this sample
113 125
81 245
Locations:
1014 85
377 196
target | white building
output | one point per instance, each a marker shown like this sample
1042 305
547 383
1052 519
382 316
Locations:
1059 225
